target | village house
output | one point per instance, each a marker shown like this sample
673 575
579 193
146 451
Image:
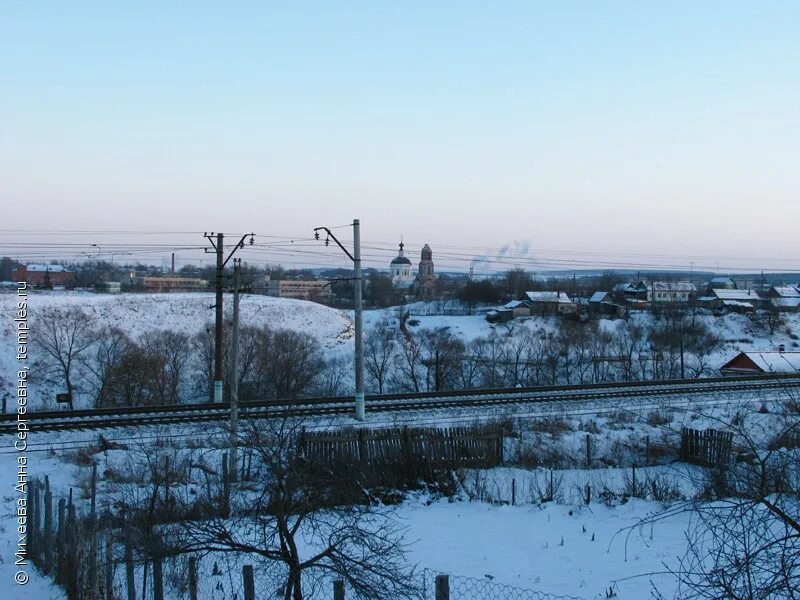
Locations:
785 298
732 300
550 303
761 363
629 292
43 275
783 291
519 308
786 304
675 292
602 303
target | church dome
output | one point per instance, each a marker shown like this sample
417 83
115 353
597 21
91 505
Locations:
427 253
400 259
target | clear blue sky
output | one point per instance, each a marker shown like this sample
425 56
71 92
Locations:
663 127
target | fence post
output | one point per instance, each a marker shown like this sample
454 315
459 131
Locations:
588 493
62 510
442 587
93 575
633 471
71 559
501 448
158 573
109 570
588 451
48 526
32 517
513 491
406 444
249 582
362 446
192 578
225 485
338 590
129 570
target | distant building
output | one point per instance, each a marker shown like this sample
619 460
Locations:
400 270
786 304
519 308
148 283
299 289
736 300
543 303
425 284
758 363
783 291
602 303
630 292
676 292
43 275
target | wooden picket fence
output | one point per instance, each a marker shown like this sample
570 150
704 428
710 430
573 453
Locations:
709 447
434 447
69 547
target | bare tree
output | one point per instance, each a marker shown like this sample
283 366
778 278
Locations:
442 354
407 375
111 344
287 362
298 520
379 352
134 380
62 336
744 538
173 348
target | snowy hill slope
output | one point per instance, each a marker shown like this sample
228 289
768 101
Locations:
186 313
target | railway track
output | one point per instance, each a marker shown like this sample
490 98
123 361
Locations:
430 401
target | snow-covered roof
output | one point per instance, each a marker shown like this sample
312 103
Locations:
559 297
776 362
743 295
737 303
722 280
598 297
42 268
786 302
674 286
623 287
514 304
786 291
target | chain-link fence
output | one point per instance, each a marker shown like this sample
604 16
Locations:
437 586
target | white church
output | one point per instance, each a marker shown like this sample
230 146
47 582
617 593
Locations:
404 277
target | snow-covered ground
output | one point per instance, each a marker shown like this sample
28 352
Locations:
190 314
561 547
558 548
554 548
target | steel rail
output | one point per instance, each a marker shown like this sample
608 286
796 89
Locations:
337 406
